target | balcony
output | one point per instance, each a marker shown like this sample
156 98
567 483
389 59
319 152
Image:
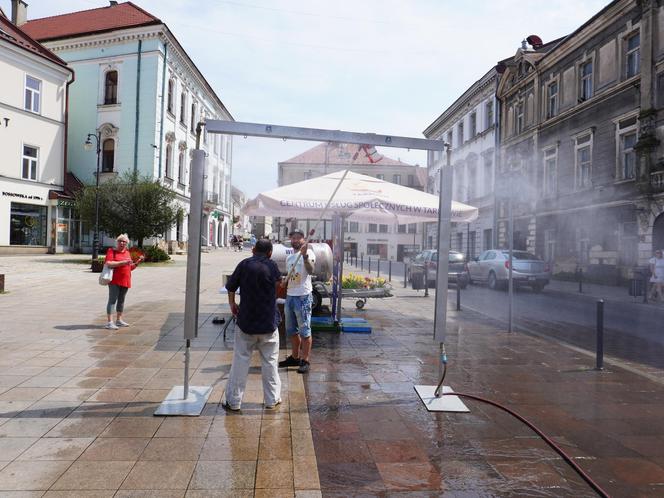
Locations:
657 181
211 198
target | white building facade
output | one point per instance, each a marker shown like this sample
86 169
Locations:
33 94
138 90
469 125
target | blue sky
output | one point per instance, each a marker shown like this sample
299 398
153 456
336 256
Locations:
382 66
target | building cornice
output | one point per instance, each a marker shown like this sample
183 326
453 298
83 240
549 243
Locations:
20 55
29 114
104 39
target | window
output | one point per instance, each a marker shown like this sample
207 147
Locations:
181 168
472 242
628 156
633 54
518 123
552 99
412 227
30 155
353 227
488 174
373 228
193 118
380 177
107 155
32 94
459 242
489 115
171 91
449 137
549 176
382 228
183 108
488 238
401 228
169 161
460 134
111 88
583 166
27 224
471 182
473 125
396 179
411 180
191 165
586 81
582 246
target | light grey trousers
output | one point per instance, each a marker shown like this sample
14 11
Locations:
117 294
268 348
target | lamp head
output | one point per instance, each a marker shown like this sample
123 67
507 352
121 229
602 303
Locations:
88 144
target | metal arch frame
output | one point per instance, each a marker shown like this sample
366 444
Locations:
317 135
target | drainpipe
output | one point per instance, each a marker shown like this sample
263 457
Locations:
496 160
161 121
65 157
138 104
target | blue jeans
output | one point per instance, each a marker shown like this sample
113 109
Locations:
298 315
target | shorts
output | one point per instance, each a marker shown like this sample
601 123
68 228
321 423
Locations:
298 315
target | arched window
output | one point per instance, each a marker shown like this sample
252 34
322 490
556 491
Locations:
169 161
111 88
183 108
181 168
171 90
193 117
108 155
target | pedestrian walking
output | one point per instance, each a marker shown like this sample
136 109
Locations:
657 276
119 259
257 325
298 302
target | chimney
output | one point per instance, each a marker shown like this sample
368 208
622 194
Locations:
19 12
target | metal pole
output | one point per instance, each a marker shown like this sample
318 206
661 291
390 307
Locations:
186 368
580 280
193 256
599 363
510 235
405 275
426 279
369 265
389 271
378 271
362 262
444 222
458 289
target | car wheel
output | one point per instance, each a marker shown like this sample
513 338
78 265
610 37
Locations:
316 301
492 281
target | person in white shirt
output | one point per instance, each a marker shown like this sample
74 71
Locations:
297 309
657 276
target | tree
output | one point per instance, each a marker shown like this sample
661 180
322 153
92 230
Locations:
130 204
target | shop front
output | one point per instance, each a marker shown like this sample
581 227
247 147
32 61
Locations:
24 220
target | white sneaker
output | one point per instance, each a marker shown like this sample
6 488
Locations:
122 323
111 326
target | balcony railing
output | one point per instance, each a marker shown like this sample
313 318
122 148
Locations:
211 197
657 180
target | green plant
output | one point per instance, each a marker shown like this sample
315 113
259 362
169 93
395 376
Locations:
155 254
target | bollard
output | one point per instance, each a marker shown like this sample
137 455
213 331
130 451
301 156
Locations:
389 271
369 270
405 275
362 262
426 280
580 280
2 283
378 271
458 296
599 364
646 281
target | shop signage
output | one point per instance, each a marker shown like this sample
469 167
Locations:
63 227
66 203
22 196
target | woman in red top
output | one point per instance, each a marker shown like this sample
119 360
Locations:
120 260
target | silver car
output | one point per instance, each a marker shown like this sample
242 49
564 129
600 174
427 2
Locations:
492 267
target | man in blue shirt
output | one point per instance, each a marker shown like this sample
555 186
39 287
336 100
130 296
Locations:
257 322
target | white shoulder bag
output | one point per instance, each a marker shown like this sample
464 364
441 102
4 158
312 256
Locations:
106 275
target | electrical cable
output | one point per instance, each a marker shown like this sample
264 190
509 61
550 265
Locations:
596 487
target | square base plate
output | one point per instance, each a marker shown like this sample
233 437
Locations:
174 404
442 404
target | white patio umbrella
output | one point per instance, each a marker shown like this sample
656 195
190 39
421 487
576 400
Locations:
359 198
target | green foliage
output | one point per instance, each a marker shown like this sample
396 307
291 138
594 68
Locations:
154 254
130 204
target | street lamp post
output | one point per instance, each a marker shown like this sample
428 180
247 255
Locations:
89 146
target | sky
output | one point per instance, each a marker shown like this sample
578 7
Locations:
380 66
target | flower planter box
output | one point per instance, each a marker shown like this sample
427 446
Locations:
97 266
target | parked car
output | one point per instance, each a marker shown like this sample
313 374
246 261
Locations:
457 271
492 267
